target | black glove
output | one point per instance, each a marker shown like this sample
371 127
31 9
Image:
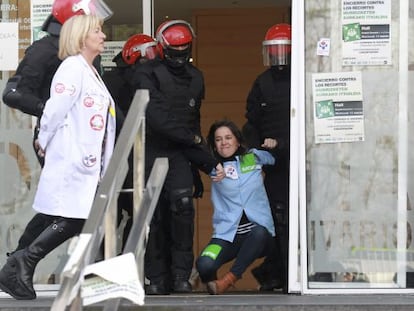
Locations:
201 158
35 135
198 183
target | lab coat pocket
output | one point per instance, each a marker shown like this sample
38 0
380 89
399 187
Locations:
88 159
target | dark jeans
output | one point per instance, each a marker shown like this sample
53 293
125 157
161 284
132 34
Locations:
246 248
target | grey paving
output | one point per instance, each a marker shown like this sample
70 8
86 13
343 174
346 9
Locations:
242 302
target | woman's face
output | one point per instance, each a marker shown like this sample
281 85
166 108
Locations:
226 143
95 40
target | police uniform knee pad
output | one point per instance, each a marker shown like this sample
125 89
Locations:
182 201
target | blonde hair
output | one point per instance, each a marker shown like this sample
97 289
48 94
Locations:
74 32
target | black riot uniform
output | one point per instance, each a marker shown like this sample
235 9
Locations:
35 73
268 126
117 80
173 129
268 116
138 49
29 89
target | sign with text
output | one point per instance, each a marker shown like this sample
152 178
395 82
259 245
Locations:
9 46
338 107
366 32
112 48
40 10
112 278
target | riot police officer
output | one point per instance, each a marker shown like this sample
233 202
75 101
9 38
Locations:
268 126
173 127
138 48
29 88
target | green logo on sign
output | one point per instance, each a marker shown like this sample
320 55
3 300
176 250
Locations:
324 109
351 32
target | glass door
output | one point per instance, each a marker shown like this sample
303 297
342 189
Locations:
356 167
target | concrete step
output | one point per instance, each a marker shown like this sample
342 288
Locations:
248 301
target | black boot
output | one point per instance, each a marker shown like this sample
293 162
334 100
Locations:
259 274
9 284
33 229
26 259
267 278
181 285
158 288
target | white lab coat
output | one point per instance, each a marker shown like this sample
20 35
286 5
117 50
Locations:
72 130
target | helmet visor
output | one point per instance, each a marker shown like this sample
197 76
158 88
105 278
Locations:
93 7
148 49
276 52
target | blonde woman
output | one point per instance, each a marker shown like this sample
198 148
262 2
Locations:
77 133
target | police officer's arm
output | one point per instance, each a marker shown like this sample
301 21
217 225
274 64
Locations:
251 129
198 118
33 74
254 118
253 102
27 96
64 91
200 157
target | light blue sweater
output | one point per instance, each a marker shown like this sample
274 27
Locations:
241 189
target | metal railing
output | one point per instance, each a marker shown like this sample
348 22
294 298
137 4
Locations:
102 220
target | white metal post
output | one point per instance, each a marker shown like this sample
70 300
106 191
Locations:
297 144
402 146
148 17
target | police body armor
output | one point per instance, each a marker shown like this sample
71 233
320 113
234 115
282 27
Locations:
183 99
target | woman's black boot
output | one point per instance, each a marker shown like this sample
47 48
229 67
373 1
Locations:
8 281
54 235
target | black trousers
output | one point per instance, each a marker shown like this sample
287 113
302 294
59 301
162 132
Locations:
277 187
169 252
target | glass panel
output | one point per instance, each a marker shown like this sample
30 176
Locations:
357 212
410 175
18 164
125 22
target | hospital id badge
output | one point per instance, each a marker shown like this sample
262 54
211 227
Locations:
231 172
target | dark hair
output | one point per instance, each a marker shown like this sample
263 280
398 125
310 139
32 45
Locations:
235 131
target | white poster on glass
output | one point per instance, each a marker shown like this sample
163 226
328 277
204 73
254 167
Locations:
112 48
40 10
366 33
338 107
9 46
